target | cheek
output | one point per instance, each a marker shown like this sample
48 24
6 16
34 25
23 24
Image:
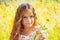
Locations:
23 21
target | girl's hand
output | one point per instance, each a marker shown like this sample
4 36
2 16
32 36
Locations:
44 35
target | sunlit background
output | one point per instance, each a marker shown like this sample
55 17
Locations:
48 15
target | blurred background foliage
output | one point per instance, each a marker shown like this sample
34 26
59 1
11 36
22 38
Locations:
48 15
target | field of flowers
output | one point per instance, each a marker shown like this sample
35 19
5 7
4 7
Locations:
48 15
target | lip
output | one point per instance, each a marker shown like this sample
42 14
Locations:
28 23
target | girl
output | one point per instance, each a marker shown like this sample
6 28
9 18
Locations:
25 24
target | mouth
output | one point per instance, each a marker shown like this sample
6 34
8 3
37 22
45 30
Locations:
29 24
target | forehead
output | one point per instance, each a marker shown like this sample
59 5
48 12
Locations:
27 12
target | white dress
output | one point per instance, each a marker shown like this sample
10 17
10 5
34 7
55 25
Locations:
32 36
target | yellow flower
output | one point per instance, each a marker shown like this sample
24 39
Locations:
49 18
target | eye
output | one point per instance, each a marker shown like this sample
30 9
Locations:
24 17
31 16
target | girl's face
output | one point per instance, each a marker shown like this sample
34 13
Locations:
28 18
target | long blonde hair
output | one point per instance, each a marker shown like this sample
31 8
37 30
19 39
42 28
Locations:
17 27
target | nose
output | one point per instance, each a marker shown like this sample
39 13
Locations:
29 20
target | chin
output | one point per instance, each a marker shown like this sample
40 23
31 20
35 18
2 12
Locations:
30 25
